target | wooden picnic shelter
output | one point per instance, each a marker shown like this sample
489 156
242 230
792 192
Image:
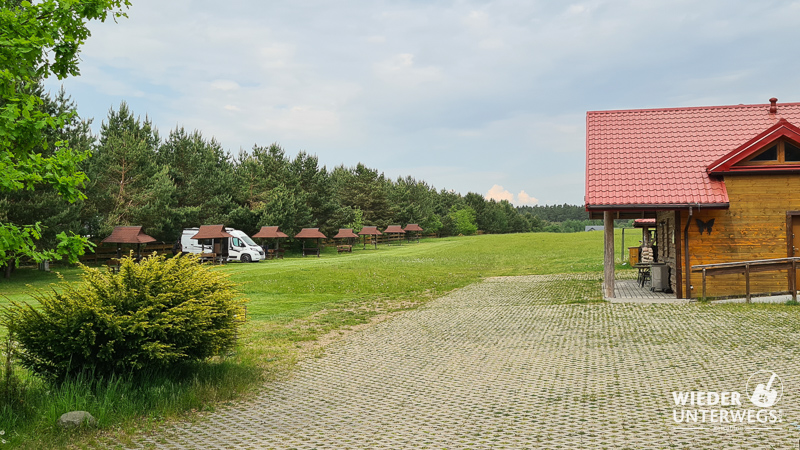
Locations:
719 184
372 232
348 238
219 250
395 232
272 233
311 233
413 231
129 235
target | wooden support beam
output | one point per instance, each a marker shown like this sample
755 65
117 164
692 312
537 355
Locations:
747 281
608 256
705 297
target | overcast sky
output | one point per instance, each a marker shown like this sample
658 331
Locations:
486 97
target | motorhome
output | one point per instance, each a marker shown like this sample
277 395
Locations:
239 247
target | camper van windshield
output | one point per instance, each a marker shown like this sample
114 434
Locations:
248 241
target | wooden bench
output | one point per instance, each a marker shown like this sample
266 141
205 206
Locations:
212 258
311 251
344 248
113 265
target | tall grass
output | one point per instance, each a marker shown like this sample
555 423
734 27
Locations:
296 306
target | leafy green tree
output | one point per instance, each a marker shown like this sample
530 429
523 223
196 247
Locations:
464 220
45 206
38 40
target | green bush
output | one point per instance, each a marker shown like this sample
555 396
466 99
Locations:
149 315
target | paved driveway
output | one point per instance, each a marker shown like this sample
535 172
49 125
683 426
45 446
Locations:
508 364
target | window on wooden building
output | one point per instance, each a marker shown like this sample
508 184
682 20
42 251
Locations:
781 152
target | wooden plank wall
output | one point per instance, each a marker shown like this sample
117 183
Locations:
753 228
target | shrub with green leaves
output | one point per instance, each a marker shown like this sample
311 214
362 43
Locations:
149 315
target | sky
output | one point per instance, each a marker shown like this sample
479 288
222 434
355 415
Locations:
487 97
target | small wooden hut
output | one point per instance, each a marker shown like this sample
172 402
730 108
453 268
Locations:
372 232
219 241
347 237
272 233
129 235
412 231
311 233
395 233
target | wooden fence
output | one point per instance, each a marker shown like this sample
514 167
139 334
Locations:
748 267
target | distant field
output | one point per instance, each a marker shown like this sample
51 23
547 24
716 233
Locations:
290 288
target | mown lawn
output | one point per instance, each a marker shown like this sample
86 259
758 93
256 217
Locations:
295 307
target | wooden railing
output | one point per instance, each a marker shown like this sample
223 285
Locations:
748 267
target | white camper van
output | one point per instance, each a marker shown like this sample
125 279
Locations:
240 247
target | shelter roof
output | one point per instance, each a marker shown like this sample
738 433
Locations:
128 235
657 158
413 227
310 233
345 233
644 223
370 231
270 233
394 229
211 232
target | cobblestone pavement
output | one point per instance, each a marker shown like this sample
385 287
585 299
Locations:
507 363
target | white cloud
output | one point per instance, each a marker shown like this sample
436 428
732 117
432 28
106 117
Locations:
498 193
524 199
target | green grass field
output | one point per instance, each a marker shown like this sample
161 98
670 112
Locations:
295 307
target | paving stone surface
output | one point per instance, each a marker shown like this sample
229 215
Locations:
507 363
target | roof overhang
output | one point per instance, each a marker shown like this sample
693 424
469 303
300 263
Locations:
345 233
310 233
270 233
728 163
646 211
128 235
211 232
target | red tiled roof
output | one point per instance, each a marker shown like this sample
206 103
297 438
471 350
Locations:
654 158
270 233
370 231
128 235
310 233
413 227
211 232
644 223
394 229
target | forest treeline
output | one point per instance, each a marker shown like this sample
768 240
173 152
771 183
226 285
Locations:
135 176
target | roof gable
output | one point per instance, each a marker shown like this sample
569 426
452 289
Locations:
781 130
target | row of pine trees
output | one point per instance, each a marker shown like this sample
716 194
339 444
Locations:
135 176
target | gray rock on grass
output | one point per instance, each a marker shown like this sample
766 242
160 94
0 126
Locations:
75 419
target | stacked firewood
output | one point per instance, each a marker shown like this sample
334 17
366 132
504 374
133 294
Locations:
647 255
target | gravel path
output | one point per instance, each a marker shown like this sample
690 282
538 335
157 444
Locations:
507 363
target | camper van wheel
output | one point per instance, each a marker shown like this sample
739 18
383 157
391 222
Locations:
246 258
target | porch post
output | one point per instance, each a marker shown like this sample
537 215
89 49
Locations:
608 260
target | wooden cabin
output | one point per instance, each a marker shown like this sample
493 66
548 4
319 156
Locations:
721 182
